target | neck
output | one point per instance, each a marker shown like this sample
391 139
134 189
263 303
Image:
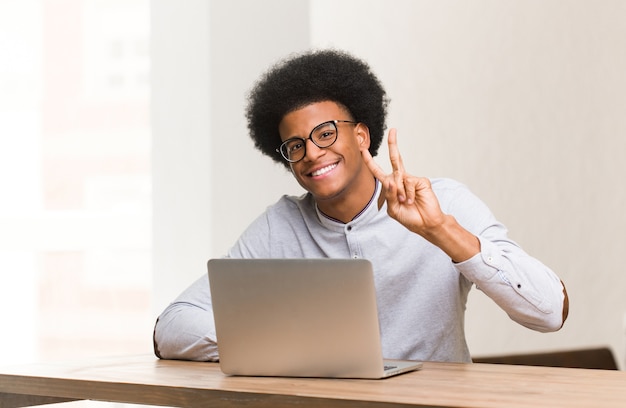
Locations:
346 207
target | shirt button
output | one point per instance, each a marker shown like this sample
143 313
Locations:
349 228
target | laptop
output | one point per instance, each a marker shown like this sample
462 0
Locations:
299 318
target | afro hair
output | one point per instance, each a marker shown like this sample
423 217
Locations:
315 76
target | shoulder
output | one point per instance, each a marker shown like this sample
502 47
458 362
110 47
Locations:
457 199
288 210
271 228
287 204
448 187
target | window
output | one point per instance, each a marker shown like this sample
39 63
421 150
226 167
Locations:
75 213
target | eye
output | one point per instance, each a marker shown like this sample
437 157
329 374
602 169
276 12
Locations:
326 134
294 146
325 131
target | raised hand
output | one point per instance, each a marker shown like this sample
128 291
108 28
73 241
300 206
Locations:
410 199
412 202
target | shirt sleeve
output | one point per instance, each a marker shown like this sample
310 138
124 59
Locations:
526 289
186 330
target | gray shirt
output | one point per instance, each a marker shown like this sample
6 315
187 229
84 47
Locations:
421 293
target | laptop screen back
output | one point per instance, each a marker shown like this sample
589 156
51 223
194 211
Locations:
296 317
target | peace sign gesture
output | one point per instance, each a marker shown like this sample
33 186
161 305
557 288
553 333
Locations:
410 199
412 202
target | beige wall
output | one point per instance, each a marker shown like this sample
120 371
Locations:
524 101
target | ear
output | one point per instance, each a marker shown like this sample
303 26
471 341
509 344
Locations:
362 136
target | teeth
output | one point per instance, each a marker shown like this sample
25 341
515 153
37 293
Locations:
323 170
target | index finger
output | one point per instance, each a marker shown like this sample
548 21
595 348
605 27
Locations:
394 152
378 172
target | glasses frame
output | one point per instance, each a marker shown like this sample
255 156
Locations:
310 137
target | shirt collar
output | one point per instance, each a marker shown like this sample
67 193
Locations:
365 215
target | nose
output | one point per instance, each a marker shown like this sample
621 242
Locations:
313 151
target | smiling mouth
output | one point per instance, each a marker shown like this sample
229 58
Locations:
323 170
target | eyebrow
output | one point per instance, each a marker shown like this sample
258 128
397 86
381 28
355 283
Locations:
310 131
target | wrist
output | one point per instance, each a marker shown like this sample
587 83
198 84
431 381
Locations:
457 242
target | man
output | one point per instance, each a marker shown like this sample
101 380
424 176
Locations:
322 114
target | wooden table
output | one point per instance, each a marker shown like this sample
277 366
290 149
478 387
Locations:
146 380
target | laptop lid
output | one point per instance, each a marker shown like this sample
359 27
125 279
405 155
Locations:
298 317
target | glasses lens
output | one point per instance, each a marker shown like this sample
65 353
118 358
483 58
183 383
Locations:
293 150
325 134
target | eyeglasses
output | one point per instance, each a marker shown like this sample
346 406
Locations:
323 135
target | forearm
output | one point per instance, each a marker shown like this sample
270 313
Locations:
528 291
184 332
458 243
